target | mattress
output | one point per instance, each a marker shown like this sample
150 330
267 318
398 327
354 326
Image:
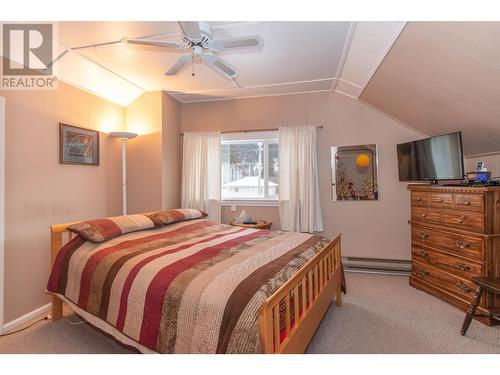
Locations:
190 287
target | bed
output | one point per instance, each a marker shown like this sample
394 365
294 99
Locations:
191 285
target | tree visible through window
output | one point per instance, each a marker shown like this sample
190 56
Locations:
249 169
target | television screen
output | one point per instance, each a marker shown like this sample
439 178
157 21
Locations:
435 158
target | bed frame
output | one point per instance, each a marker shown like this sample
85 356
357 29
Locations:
320 279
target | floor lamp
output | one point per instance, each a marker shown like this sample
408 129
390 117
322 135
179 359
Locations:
124 136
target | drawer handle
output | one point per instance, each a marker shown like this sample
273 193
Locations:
463 219
423 253
423 272
464 288
463 267
462 244
467 203
423 235
438 200
418 199
424 215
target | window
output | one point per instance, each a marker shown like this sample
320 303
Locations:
249 166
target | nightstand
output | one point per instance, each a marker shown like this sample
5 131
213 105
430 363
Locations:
261 224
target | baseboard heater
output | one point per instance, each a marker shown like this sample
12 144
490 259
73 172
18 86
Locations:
376 265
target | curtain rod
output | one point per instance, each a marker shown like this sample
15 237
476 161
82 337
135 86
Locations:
253 130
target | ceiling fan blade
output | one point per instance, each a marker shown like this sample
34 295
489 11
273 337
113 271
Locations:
221 66
191 30
154 43
179 65
247 43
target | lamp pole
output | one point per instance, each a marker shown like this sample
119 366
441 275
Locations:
123 137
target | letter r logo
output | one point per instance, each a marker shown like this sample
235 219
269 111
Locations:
27 49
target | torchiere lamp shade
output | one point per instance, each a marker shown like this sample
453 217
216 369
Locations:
123 135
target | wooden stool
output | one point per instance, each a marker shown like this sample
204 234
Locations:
490 283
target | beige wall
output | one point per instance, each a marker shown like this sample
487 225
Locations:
172 152
370 229
154 157
41 192
144 153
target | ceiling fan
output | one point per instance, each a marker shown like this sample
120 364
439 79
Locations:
197 39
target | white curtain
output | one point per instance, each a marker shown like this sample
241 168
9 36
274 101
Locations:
299 204
201 173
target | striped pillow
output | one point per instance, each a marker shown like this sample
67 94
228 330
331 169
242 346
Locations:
173 216
100 230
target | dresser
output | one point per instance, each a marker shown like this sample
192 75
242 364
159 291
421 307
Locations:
455 235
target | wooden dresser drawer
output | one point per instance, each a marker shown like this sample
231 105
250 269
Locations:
443 280
426 215
419 198
471 221
469 202
441 200
455 265
465 246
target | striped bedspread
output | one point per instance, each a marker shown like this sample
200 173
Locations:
190 287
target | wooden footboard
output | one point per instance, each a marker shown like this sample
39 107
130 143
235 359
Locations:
315 284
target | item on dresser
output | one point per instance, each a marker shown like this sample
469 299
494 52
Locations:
478 177
455 235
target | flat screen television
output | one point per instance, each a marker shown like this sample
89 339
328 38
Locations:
432 159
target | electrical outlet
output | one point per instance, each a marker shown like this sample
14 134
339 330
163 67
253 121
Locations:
233 208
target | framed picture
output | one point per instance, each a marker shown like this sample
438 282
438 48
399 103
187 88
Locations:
78 145
354 172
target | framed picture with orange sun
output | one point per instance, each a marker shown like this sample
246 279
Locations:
78 145
354 173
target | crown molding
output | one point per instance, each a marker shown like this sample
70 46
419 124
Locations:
348 88
345 52
248 97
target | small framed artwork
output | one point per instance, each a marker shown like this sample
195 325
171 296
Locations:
354 172
78 145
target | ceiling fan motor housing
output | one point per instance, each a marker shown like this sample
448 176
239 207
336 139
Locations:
197 54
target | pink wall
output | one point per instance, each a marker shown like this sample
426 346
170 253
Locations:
154 157
41 192
370 229
172 152
144 153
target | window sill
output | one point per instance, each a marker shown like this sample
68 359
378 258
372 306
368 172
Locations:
251 202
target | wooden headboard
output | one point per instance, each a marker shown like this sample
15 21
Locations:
56 238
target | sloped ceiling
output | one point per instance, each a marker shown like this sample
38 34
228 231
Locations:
441 77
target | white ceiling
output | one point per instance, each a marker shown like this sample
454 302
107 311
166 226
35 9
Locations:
297 57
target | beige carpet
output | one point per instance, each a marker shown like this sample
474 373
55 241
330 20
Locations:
381 314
